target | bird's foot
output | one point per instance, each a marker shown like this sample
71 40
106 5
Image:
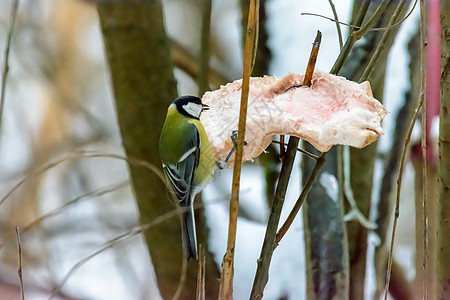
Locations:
233 138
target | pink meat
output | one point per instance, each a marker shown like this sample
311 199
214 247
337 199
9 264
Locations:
332 111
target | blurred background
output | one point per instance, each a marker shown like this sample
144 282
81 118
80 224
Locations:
69 192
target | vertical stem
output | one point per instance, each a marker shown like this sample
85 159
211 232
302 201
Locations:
399 180
423 88
298 204
203 84
425 276
397 202
226 280
201 273
19 269
262 272
340 172
338 26
14 7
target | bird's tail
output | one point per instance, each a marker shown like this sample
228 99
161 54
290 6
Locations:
188 234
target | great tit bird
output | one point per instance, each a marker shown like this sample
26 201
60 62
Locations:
188 161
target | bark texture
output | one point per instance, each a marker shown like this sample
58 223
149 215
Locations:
138 56
326 251
443 244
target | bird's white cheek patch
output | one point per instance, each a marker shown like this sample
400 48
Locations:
193 109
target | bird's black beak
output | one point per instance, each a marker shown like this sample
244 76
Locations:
205 107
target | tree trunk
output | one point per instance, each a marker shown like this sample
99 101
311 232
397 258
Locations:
138 55
443 244
326 250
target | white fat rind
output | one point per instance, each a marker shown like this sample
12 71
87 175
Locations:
332 111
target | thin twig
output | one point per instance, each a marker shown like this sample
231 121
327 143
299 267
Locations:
340 170
308 154
345 51
298 204
19 270
338 27
124 236
227 274
373 18
381 44
358 34
335 20
399 185
354 213
262 271
14 8
330 19
82 154
261 276
91 194
132 232
402 163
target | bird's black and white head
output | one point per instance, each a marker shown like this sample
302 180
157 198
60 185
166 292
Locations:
190 106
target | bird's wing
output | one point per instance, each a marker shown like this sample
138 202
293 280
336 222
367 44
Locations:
180 175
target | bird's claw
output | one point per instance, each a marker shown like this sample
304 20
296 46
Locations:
234 135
